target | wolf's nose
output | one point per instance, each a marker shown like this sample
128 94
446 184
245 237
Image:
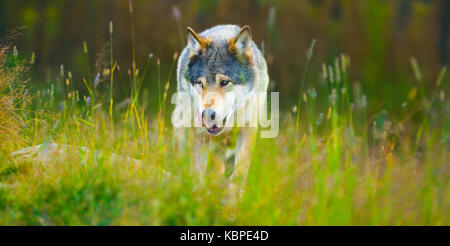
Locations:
209 114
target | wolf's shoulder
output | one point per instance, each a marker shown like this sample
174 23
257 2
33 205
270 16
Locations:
221 32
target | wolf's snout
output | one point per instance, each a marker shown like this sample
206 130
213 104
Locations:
212 121
208 114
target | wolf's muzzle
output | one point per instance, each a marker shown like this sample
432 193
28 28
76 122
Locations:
212 122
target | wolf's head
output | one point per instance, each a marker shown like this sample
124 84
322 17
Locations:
219 70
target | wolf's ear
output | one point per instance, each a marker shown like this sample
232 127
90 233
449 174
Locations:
241 43
195 42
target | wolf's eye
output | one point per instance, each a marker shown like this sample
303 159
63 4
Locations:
224 82
199 83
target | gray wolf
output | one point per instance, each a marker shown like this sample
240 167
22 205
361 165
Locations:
217 67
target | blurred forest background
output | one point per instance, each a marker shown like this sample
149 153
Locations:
380 36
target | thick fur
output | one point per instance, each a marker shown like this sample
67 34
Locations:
223 51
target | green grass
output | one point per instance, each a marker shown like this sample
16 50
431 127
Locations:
336 162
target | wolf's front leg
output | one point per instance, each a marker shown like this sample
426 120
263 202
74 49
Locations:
244 148
200 148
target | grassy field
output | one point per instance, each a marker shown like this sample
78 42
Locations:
335 162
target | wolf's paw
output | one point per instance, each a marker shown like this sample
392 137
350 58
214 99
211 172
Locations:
233 195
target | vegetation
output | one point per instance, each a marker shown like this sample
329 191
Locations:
14 99
339 159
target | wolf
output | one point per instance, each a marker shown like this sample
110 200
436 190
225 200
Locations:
219 70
